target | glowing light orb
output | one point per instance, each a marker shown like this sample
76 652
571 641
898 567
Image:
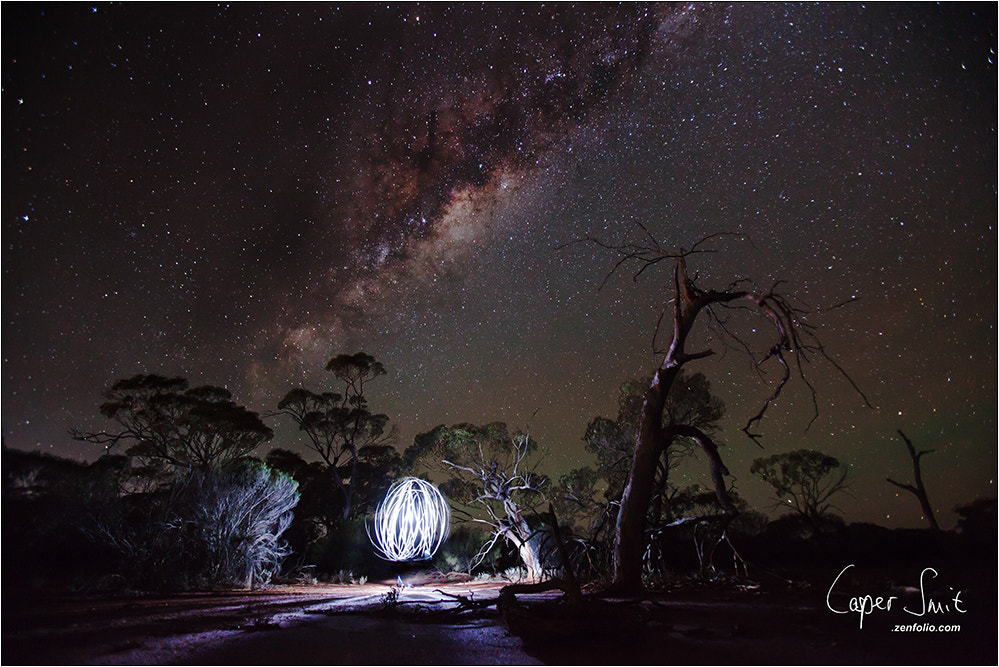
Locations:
411 522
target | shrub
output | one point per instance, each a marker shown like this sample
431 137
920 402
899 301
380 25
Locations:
237 515
206 528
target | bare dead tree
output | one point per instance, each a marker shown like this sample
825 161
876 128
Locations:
918 490
794 345
493 478
499 497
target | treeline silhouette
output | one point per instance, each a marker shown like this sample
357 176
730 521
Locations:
181 498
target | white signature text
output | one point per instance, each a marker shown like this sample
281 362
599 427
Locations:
864 605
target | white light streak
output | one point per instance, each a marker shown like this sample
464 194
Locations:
411 522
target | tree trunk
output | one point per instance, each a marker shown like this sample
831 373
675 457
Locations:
520 535
529 555
652 440
630 532
660 506
525 549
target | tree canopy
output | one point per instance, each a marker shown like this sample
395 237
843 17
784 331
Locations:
690 404
804 480
339 426
163 421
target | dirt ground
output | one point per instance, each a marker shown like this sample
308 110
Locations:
380 624
328 624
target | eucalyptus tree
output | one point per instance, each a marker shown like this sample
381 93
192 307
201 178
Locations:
340 427
690 404
804 481
198 509
593 494
162 421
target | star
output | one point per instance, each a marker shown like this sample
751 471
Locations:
352 183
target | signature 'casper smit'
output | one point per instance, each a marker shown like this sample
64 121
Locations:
867 604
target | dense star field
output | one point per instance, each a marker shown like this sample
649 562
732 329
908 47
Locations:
235 194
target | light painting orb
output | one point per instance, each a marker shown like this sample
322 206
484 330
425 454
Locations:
411 522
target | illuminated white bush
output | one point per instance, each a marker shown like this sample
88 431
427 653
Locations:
411 522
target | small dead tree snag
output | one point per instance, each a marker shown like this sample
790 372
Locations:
794 344
918 490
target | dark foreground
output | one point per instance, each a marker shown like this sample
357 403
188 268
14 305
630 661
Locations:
425 625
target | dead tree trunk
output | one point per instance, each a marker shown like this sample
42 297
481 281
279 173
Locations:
519 534
630 532
918 490
653 436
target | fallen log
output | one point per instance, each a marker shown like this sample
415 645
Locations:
572 618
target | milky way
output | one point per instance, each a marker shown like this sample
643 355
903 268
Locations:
236 194
447 129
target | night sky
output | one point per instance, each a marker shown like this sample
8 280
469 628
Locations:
237 193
